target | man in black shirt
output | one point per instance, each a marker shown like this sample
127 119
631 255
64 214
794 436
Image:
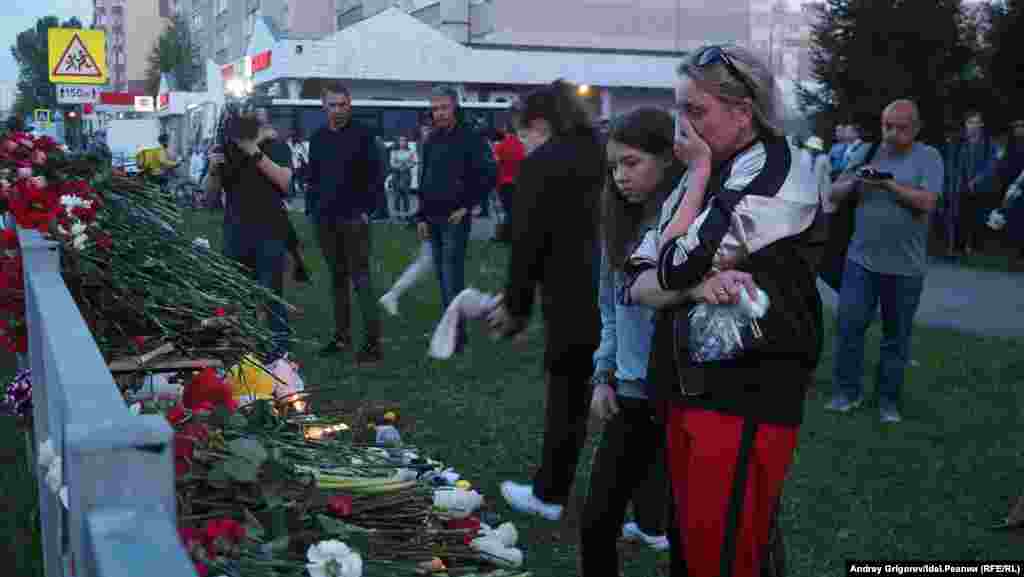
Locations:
345 167
254 172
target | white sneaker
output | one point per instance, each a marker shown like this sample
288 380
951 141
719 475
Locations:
390 303
521 498
631 532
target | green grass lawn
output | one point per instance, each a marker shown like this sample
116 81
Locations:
928 488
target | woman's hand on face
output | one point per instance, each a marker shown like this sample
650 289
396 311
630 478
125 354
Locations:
691 149
725 288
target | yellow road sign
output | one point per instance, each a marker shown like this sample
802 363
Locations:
77 56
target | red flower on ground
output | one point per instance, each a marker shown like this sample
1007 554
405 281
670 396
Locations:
339 505
33 206
229 529
139 341
184 448
45 144
176 415
207 387
198 432
219 312
103 241
8 239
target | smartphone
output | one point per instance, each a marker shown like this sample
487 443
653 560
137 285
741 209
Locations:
870 173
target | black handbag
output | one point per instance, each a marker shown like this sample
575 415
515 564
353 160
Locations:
841 226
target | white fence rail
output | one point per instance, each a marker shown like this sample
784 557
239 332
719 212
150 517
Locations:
118 466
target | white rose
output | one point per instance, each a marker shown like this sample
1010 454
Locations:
457 503
494 551
46 454
54 475
333 559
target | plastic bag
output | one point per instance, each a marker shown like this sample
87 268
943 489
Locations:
720 332
287 371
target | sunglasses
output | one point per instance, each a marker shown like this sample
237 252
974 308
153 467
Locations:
710 55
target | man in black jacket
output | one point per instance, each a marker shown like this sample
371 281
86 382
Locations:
344 168
455 173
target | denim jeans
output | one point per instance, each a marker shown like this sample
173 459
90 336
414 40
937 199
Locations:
448 242
861 293
265 259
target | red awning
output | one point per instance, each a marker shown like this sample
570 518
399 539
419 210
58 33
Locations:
119 98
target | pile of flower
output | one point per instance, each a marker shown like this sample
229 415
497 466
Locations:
138 282
259 495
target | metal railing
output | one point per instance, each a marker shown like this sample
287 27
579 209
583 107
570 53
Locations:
118 466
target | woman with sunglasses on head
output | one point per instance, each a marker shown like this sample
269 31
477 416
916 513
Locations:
744 219
629 465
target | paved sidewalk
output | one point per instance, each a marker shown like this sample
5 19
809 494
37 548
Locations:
975 301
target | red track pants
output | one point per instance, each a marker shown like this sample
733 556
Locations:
720 533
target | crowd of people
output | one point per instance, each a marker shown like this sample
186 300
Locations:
676 257
982 170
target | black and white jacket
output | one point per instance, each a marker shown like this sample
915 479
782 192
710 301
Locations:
761 215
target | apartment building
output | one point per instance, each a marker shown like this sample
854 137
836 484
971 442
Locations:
8 94
222 29
132 27
778 31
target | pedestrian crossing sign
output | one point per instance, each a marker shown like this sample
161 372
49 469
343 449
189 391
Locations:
77 56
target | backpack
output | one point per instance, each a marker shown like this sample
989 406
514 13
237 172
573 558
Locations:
841 226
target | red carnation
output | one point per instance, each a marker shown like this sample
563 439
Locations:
198 432
33 206
226 528
8 239
339 505
176 415
103 241
45 144
207 387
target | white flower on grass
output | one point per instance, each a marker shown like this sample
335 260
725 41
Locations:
80 241
77 229
201 243
457 503
46 454
70 201
493 550
54 476
333 559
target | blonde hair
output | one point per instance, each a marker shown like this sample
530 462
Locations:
757 83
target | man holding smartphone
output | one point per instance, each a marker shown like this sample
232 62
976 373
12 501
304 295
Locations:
254 171
887 259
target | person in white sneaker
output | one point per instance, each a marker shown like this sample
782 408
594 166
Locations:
630 463
554 224
415 272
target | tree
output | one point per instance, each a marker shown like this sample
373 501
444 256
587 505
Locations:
30 52
174 52
1003 60
867 53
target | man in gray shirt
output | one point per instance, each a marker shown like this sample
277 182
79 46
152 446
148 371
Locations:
887 258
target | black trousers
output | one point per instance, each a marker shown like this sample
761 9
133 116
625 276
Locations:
565 432
629 466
